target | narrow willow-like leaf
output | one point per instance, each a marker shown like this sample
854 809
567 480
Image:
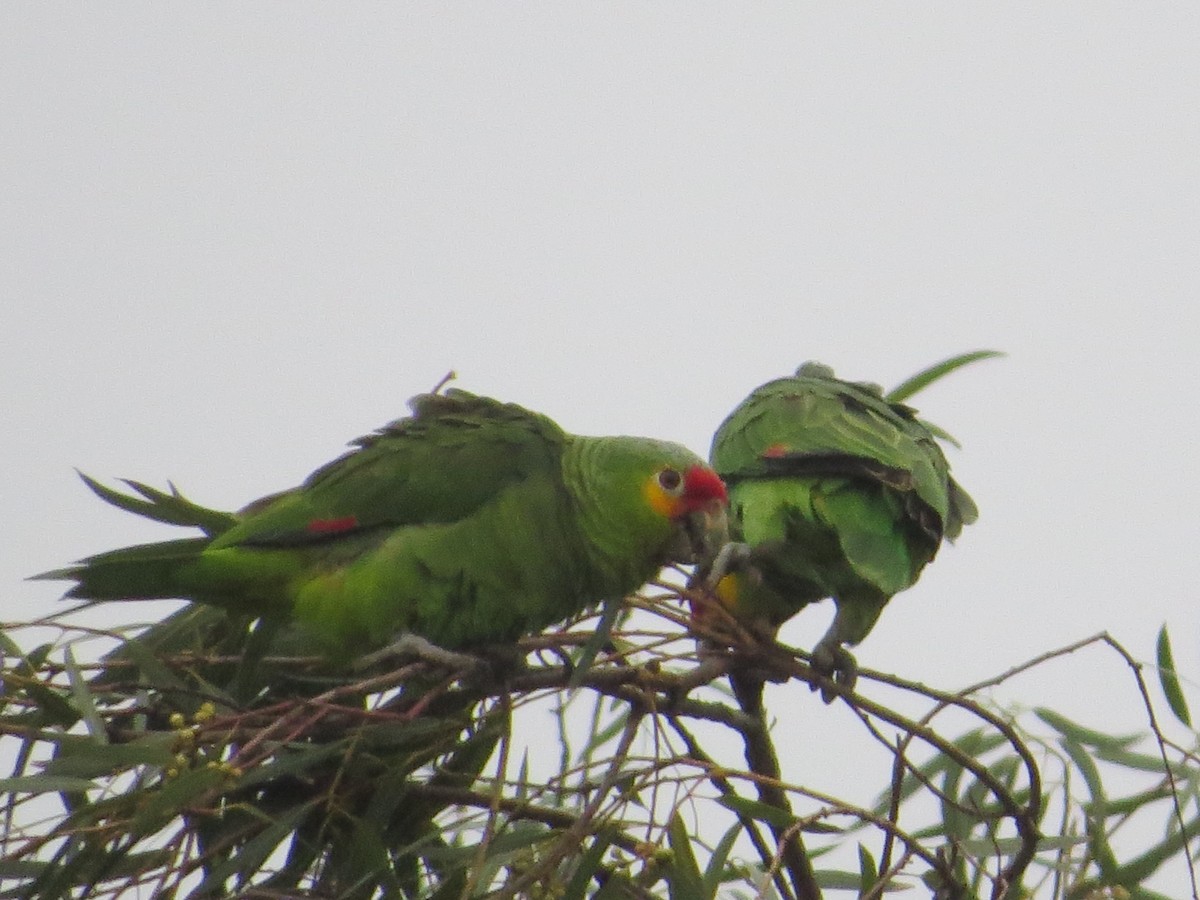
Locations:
1086 736
753 809
975 742
1169 679
1136 870
82 758
44 784
1087 768
686 882
955 820
586 867
841 880
928 376
84 701
716 863
518 838
1141 762
1134 802
54 708
602 736
868 871
609 611
251 854
164 803
1009 846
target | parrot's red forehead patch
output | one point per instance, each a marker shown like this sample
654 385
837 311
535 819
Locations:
702 484
776 451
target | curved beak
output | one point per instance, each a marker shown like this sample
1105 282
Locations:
707 530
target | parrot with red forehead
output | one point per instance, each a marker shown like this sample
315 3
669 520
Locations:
469 522
835 491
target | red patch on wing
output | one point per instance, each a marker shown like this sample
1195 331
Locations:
776 451
331 526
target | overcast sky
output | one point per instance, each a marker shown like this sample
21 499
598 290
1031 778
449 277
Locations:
237 236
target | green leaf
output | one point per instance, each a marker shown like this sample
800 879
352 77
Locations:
686 882
603 735
716 862
83 699
975 742
841 880
609 612
994 846
1087 736
83 758
587 866
55 709
43 784
1087 768
926 377
955 820
20 868
1169 679
868 871
1141 762
753 809
1134 802
251 855
772 815
167 801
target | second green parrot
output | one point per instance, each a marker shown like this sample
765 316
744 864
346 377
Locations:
835 491
469 522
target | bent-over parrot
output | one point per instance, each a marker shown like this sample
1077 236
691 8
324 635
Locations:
835 491
469 522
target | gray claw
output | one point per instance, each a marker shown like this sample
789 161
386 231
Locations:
832 660
414 646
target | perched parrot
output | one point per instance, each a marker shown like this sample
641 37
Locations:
469 522
835 491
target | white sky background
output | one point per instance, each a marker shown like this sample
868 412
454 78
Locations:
235 237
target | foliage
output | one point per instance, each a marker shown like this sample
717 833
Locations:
201 757
171 770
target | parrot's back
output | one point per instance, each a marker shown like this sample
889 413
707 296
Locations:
471 521
852 490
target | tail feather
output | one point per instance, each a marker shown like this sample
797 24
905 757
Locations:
143 572
172 508
146 571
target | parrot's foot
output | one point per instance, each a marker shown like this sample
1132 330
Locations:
832 660
730 558
413 646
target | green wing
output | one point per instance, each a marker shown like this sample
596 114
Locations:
457 455
451 457
840 491
815 425
835 491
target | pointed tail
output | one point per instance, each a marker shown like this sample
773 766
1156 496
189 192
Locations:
144 572
147 571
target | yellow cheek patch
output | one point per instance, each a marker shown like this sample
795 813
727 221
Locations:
659 500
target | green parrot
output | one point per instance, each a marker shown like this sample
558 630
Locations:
469 522
835 491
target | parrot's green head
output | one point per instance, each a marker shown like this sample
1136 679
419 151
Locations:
693 501
648 499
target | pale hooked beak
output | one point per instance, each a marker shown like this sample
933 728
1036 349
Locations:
707 531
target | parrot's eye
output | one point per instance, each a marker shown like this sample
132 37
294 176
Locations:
670 480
